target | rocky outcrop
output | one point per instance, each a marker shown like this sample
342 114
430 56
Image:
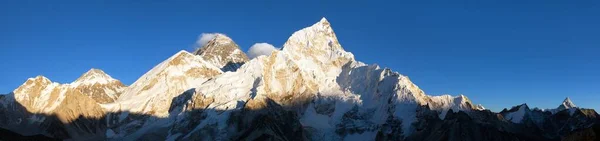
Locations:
312 89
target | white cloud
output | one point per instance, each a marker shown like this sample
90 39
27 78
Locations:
204 38
259 49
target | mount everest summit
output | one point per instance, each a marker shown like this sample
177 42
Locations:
311 89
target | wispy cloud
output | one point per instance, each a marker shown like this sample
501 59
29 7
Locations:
259 49
203 39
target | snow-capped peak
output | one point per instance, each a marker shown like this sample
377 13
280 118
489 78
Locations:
318 36
93 76
480 107
463 99
32 83
215 38
319 44
567 103
221 38
444 103
222 52
323 20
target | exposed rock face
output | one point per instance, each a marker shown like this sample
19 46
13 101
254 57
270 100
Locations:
82 117
222 52
334 96
312 89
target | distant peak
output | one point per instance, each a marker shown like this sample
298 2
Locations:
216 41
221 51
480 107
568 103
211 39
221 36
94 71
524 105
93 76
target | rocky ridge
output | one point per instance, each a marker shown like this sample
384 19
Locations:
311 89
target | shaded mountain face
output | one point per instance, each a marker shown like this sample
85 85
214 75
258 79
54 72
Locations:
584 134
517 124
312 89
471 126
10 135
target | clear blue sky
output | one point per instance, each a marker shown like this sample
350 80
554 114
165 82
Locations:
499 54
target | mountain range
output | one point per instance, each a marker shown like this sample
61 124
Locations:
310 89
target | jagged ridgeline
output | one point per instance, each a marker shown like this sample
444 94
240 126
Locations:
311 89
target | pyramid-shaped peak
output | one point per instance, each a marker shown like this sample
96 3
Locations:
323 25
221 51
221 36
567 103
324 21
95 71
220 39
213 39
319 37
93 76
